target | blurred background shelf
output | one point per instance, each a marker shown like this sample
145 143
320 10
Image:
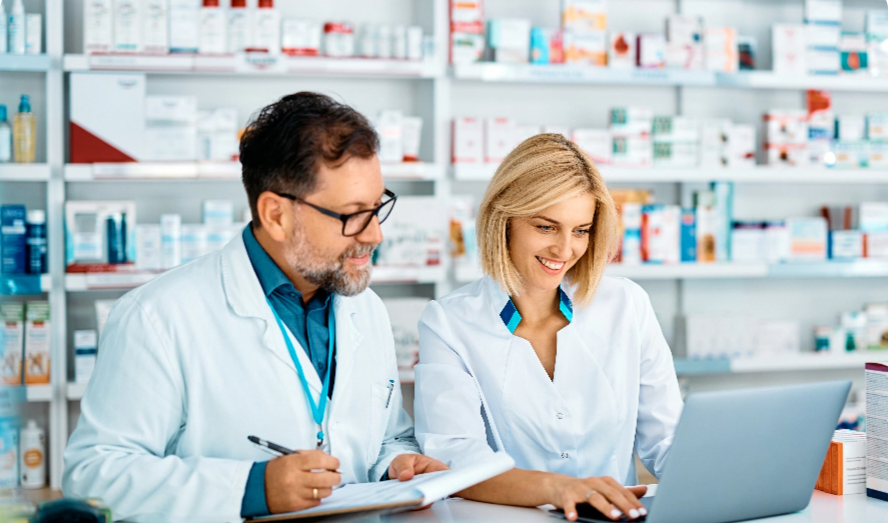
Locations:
215 171
779 363
260 64
24 172
75 391
760 174
24 62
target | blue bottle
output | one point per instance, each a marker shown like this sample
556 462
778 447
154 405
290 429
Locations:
12 231
35 242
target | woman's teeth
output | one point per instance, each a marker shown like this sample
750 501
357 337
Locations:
550 264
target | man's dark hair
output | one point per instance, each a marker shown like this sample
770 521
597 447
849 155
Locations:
283 147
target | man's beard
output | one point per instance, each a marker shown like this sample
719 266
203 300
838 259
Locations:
332 276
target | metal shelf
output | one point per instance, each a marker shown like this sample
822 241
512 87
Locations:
75 390
778 363
25 63
758 174
260 64
215 172
24 172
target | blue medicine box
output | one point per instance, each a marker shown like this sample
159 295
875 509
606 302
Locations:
12 237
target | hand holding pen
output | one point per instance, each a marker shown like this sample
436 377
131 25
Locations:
297 480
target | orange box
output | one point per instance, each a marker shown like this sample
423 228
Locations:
844 469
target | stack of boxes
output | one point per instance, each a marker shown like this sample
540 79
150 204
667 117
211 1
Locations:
584 23
720 51
786 137
823 35
466 31
630 129
876 42
508 40
675 141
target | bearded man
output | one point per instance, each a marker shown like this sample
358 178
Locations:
276 336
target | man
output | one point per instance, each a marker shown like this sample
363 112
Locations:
276 335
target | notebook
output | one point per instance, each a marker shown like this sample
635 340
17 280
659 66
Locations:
394 495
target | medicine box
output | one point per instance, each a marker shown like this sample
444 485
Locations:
786 127
720 51
876 421
85 352
107 117
675 154
877 126
546 46
789 45
850 127
13 317
873 216
740 148
509 40
148 247
631 248
37 338
877 326
675 129
823 12
632 151
597 143
846 245
589 48
844 469
851 155
807 239
878 155
466 47
853 53
748 242
651 51
822 61
825 37
621 51
688 235
681 56
12 239
584 15
630 121
684 30
389 127
498 138
468 140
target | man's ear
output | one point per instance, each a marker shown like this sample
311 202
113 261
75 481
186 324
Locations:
276 215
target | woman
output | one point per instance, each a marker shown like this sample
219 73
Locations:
509 363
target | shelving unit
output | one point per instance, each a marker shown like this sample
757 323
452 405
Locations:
215 171
437 92
778 363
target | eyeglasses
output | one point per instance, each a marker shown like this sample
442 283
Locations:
354 224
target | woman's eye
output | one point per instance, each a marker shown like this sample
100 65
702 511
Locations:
582 232
545 228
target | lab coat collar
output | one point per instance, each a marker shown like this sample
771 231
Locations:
509 314
246 298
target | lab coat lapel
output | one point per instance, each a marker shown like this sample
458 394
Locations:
245 297
348 337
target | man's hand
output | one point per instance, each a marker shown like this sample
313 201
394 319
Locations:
405 466
290 484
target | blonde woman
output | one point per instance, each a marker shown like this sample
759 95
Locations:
546 358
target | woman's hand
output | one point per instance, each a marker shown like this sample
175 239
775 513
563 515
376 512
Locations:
604 493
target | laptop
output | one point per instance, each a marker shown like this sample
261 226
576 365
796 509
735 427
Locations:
744 454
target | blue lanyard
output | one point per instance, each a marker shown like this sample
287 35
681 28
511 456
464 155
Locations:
317 409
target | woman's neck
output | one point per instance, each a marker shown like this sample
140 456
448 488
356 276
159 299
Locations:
535 305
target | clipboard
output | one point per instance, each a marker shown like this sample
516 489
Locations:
395 496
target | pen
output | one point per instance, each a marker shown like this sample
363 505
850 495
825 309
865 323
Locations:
391 390
271 446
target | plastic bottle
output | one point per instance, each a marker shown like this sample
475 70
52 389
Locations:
24 132
267 28
32 445
239 25
35 242
212 28
5 137
4 22
17 28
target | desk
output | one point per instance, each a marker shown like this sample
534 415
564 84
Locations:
824 508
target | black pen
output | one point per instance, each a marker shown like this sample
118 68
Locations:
271 446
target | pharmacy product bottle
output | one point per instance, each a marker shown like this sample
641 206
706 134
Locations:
24 132
16 28
35 242
267 28
4 35
212 28
5 137
32 452
240 21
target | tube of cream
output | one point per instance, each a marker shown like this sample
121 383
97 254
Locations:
411 129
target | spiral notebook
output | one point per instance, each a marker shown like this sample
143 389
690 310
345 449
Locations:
394 495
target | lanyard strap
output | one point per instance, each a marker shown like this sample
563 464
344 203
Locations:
317 408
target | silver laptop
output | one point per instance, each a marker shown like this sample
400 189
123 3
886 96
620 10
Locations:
745 454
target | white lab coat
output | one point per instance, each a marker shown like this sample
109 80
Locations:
192 363
479 388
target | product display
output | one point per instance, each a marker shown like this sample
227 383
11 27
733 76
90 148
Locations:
24 132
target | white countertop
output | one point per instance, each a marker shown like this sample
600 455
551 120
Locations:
824 508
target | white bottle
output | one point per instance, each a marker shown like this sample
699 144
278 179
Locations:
127 26
184 26
240 21
5 137
212 28
267 28
32 453
3 28
170 240
17 28
155 32
98 26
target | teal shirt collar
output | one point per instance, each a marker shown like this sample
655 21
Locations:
511 317
271 277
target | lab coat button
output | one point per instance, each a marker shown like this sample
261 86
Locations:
559 416
564 455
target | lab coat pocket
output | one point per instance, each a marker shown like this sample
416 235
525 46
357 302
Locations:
380 402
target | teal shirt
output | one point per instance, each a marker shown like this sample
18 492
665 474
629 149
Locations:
307 322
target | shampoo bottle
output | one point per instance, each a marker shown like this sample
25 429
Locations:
24 132
32 451
16 28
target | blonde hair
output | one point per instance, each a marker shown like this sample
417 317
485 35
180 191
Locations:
542 171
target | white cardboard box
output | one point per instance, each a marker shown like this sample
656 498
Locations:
468 140
498 138
107 117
